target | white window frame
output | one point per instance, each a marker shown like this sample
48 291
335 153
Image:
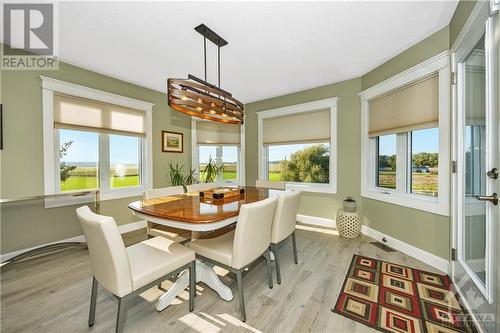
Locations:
51 141
329 103
195 159
401 196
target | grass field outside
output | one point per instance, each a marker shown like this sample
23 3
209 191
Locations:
229 173
422 183
85 178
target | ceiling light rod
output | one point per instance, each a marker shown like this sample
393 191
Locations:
194 78
212 36
198 98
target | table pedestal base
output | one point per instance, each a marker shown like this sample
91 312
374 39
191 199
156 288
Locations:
204 273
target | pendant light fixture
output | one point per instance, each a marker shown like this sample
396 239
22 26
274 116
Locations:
198 98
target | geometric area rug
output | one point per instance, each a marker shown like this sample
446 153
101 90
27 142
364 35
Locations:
399 299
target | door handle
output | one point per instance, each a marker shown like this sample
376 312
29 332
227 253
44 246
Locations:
493 173
491 198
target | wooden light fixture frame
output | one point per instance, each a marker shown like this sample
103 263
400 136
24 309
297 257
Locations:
198 98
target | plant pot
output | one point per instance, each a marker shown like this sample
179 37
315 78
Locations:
349 205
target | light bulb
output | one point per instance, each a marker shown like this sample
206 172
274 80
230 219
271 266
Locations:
184 98
213 104
224 115
199 100
199 108
212 111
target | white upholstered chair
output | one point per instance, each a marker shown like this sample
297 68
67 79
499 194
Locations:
202 186
237 249
285 219
154 229
125 272
269 184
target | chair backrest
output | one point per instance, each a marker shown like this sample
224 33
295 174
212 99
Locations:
108 256
285 216
269 184
162 192
253 231
202 186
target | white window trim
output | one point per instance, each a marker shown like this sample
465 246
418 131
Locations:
51 185
195 162
441 204
330 103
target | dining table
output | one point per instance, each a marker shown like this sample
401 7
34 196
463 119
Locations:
198 214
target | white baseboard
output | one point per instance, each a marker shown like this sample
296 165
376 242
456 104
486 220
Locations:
123 229
415 252
313 220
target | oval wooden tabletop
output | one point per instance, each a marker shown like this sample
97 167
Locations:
191 208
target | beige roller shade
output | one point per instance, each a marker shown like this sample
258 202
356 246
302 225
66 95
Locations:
313 126
208 132
407 109
86 115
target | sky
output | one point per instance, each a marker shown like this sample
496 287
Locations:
85 147
426 140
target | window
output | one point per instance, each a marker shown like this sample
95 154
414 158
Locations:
386 163
230 160
297 146
299 163
94 140
220 145
78 160
125 158
405 126
424 170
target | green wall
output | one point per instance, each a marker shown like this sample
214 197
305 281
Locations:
460 15
22 157
349 143
432 45
424 230
408 225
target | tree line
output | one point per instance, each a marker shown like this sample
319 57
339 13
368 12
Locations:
419 160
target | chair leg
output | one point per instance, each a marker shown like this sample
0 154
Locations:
274 248
93 301
269 270
120 316
239 281
294 248
192 284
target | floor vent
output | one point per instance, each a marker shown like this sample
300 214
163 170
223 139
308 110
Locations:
383 246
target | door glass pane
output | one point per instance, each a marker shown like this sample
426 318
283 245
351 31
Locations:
124 155
474 228
230 159
386 164
424 161
79 153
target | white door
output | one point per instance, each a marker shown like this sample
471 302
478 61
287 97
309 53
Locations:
476 179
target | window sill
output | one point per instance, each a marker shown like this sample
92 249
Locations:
415 201
314 188
104 196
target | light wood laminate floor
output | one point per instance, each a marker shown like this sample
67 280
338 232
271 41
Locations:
52 293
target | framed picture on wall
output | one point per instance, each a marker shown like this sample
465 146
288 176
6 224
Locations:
172 142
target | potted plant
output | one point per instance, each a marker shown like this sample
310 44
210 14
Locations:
177 176
212 169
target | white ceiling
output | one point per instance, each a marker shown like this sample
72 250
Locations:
274 48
